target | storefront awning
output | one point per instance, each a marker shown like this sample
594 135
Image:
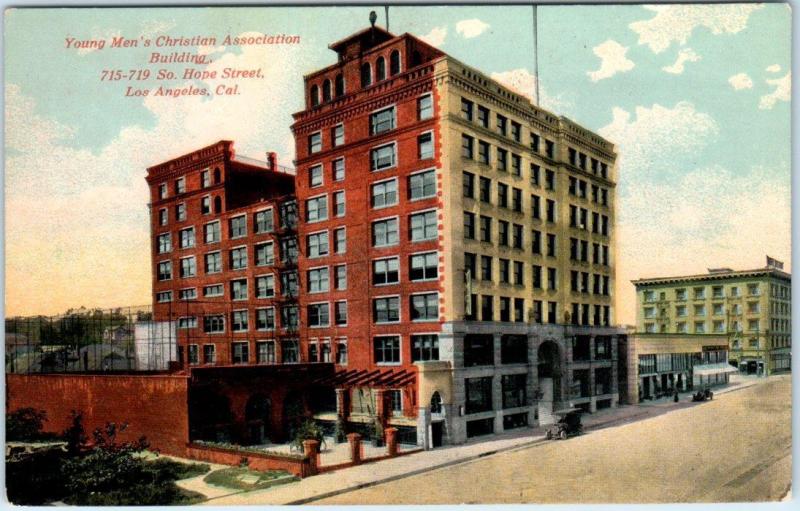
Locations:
708 369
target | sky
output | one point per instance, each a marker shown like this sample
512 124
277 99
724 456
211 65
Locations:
695 97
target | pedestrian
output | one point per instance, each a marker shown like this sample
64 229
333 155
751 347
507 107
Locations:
675 398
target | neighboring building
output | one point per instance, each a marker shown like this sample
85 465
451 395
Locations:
224 252
457 245
752 308
659 364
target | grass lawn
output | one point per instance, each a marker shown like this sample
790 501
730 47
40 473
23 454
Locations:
242 478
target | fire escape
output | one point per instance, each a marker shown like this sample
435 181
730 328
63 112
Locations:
287 299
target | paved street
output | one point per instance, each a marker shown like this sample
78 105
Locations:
734 448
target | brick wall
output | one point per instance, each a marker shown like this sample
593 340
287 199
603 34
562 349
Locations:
154 406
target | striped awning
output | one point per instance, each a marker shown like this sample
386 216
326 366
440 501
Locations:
365 378
708 369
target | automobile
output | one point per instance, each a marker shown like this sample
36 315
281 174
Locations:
569 424
703 395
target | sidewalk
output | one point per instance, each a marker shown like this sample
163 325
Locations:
361 476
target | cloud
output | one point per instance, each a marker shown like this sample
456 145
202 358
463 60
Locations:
741 81
656 133
675 23
88 242
471 28
436 36
152 28
612 60
523 82
774 68
782 92
685 55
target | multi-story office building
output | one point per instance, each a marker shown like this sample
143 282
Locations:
457 243
751 307
224 255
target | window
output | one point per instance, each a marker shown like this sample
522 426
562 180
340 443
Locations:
424 266
164 297
383 157
164 243
425 307
552 281
536 242
188 267
382 121
318 315
699 293
502 159
502 124
341 351
289 284
338 169
340 240
516 237
213 290
314 93
502 233
483 152
514 390
213 261
340 313
386 310
180 212
466 109
265 254
386 271
338 135
214 324
288 252
240 353
239 289
516 165
289 317
315 176
318 280
699 327
366 74
265 352
290 351
468 184
339 85
239 321
551 245
338 203
387 349
536 210
483 116
238 226
265 286
752 289
680 294
422 185
469 225
193 354
551 210
326 91
162 191
549 179
209 354
486 229
486 268
238 258
212 232
265 319
424 347
385 233
317 209
384 193
467 143
205 205
425 107
423 226
317 244
478 394
315 143
485 185
163 216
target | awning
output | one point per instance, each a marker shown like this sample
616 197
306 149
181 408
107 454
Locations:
707 369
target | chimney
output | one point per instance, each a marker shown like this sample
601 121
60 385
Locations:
272 159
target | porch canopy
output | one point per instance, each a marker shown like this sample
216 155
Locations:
709 369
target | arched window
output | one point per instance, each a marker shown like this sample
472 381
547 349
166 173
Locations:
436 403
216 175
380 69
314 95
366 75
394 63
326 91
416 59
217 205
339 85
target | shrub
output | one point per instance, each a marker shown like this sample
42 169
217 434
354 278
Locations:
25 424
308 430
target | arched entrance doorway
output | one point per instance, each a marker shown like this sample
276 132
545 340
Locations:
257 417
437 420
549 371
